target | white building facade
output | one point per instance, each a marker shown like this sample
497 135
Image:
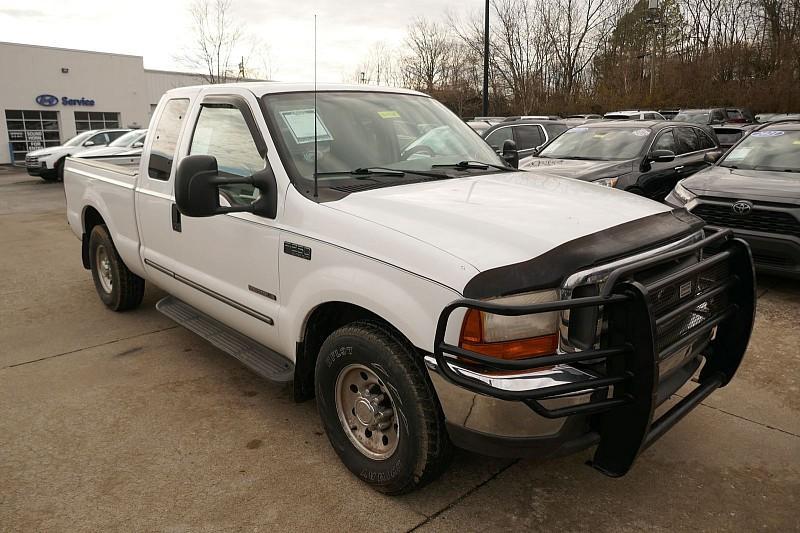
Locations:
48 95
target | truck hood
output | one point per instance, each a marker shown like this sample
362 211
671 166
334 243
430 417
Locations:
497 219
579 169
744 184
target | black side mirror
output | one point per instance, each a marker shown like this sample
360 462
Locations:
510 154
712 157
197 184
662 156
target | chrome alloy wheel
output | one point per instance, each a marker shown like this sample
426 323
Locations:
103 268
366 412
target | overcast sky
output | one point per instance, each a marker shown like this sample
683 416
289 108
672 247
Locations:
159 30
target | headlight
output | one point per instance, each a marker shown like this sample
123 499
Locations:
682 193
512 337
607 182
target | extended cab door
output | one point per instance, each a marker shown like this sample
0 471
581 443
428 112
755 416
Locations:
225 265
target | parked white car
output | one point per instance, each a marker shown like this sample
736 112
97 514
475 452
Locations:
129 144
634 115
48 163
427 294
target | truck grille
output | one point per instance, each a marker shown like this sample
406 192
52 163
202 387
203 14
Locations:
667 299
31 160
758 219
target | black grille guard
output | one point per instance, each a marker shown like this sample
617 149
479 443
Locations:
645 323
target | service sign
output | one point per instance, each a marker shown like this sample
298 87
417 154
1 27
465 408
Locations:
49 100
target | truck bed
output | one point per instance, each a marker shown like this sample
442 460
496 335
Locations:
104 187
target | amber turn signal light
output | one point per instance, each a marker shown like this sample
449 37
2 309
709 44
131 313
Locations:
472 339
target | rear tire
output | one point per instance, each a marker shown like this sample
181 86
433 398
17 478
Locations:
397 440
118 288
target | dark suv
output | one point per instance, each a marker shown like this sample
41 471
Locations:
755 190
527 134
716 115
646 158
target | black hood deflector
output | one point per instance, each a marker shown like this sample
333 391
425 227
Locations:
551 268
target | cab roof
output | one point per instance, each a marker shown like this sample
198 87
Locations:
261 88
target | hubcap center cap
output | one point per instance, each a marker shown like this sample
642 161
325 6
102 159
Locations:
365 412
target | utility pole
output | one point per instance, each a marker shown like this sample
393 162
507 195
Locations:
654 19
486 61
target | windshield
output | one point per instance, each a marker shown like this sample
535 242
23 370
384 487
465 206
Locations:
777 150
606 144
696 118
359 130
129 138
79 138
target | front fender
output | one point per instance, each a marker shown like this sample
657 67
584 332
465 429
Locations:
410 303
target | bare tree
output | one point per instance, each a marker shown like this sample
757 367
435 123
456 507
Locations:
428 45
216 37
380 66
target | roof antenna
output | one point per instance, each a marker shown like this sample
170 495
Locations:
316 152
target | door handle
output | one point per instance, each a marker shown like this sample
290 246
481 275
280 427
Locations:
176 218
678 168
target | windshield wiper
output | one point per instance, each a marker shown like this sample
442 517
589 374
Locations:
480 165
365 172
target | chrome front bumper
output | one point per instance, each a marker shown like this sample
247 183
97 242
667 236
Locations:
486 414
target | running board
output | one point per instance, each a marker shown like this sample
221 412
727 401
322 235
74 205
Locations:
255 356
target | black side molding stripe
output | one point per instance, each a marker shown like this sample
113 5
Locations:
205 290
549 270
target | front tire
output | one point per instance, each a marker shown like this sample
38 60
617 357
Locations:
379 409
118 288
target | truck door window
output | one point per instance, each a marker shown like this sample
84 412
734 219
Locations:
165 139
222 132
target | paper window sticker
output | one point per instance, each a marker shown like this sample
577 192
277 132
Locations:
301 125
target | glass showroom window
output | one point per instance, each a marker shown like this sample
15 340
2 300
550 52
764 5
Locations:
31 130
95 120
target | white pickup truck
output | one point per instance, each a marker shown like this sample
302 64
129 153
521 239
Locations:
365 244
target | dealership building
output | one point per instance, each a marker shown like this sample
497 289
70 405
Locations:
48 95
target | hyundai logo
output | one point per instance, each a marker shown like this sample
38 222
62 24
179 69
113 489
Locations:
47 100
742 207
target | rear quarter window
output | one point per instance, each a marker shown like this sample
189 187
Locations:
165 138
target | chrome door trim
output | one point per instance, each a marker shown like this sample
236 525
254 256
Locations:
208 292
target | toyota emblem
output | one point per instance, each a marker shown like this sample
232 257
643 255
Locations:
742 207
